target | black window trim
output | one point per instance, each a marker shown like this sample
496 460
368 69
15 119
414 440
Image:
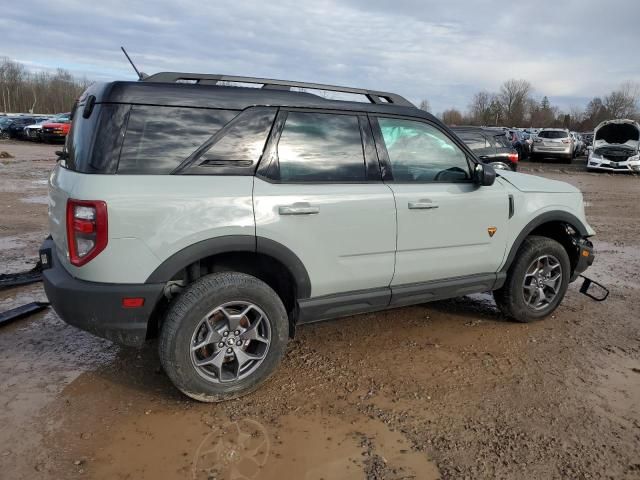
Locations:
269 168
383 155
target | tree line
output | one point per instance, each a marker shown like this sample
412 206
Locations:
22 91
515 106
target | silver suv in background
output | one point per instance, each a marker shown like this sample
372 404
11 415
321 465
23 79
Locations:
553 143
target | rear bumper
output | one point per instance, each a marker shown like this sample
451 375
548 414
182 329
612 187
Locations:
97 307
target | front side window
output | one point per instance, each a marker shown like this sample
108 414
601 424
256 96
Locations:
419 152
321 147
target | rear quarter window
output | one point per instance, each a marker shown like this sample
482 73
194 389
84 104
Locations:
159 139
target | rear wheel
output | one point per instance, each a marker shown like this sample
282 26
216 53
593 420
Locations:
536 281
223 337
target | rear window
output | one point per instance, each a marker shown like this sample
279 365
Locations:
475 141
501 141
321 147
158 139
553 134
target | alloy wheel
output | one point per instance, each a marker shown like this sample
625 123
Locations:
542 282
230 342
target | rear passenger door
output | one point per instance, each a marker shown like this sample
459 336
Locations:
319 193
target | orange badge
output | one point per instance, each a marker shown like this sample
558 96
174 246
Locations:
492 231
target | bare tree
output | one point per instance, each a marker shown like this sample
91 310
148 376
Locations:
513 96
452 117
425 105
623 102
480 108
23 91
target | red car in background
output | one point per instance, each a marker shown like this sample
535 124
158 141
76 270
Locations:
56 131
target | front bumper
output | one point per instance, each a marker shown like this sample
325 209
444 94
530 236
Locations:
97 307
49 136
610 166
585 257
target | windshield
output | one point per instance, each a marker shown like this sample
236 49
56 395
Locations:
553 134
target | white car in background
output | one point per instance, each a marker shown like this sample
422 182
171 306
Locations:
615 147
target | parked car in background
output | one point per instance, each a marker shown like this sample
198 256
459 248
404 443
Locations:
57 130
490 145
553 143
34 132
519 141
578 144
13 127
587 138
616 147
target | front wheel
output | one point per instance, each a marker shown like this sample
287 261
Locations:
223 337
536 281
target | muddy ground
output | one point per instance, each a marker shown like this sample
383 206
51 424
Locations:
442 390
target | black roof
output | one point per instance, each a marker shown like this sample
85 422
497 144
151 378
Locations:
167 89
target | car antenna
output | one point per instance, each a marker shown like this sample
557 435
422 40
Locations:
141 75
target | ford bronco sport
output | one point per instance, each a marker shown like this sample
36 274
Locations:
221 217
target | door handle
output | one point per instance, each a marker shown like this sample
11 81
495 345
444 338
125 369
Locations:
298 209
422 205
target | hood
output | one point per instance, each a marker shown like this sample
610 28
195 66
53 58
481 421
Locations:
617 133
532 183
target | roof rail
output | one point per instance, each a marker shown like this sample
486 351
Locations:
212 79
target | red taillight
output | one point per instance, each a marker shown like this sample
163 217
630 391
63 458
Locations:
513 157
86 229
566 140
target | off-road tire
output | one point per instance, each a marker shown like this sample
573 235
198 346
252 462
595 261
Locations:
192 306
510 297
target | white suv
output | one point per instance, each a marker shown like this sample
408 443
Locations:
220 218
553 143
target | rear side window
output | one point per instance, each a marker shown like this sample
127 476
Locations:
237 148
321 147
158 139
553 134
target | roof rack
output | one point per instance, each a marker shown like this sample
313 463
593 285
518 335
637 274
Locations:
213 79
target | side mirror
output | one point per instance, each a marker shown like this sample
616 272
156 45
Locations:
484 174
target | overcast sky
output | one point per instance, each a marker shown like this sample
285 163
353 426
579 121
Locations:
570 50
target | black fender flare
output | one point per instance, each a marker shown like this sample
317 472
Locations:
552 216
234 243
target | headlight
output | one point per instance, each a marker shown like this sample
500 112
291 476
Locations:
595 156
635 158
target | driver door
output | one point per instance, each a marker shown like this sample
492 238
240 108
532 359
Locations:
444 219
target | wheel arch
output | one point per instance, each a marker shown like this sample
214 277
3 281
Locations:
552 225
234 244
268 260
